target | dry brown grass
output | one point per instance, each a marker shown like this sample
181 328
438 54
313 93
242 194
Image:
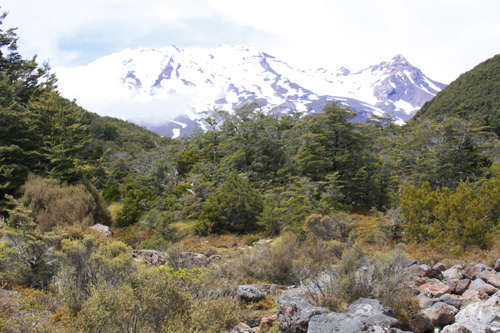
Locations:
226 246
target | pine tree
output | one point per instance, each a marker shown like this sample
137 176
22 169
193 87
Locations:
64 135
235 207
20 81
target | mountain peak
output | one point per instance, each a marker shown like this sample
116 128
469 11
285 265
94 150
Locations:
399 59
170 82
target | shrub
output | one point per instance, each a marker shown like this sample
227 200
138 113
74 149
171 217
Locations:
58 205
88 263
383 277
373 230
336 226
219 314
451 219
158 299
276 263
27 258
134 204
235 207
27 310
109 309
285 260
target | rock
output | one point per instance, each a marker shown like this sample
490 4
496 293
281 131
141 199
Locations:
497 266
418 270
490 277
439 267
441 314
271 288
432 273
294 291
470 296
369 307
267 323
472 272
452 283
242 328
294 314
486 311
425 301
434 287
150 257
422 323
250 293
470 327
452 273
412 262
418 282
187 259
363 315
452 300
482 287
462 286
102 229
190 259
214 257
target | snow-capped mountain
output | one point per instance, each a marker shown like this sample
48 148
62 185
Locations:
166 89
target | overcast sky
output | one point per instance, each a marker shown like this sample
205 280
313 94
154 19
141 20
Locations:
444 38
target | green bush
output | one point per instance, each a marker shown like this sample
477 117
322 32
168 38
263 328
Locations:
451 219
88 263
384 277
336 226
59 205
27 258
235 207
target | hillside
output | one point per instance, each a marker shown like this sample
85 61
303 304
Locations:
120 135
474 96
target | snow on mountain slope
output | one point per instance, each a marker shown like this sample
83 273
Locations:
166 89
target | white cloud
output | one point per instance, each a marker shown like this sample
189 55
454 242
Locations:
44 24
443 37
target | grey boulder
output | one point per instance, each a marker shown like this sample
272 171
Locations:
294 314
363 315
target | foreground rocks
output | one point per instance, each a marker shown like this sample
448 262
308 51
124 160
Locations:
461 300
363 315
294 314
454 300
482 316
105 230
250 294
185 259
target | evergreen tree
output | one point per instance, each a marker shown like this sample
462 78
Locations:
234 207
64 135
20 81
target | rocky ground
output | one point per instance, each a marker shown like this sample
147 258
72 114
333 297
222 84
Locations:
452 300
456 299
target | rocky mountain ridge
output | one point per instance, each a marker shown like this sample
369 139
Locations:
167 89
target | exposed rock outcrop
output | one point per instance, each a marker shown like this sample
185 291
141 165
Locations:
249 293
478 317
186 259
462 300
294 314
102 229
363 315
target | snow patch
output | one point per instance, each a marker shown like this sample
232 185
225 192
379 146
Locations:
221 78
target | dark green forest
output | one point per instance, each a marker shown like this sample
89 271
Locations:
433 183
